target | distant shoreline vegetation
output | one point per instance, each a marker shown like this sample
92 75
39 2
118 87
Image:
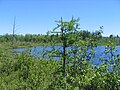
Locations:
30 40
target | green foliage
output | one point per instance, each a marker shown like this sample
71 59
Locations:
23 72
39 39
78 73
68 32
74 71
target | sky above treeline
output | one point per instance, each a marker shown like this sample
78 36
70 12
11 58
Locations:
38 16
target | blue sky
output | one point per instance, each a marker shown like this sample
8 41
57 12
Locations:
38 16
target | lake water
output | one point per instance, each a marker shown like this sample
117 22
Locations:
40 50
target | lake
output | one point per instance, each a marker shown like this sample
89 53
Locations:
99 52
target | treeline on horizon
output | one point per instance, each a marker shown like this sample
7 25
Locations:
39 38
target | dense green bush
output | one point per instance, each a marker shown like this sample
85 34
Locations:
23 72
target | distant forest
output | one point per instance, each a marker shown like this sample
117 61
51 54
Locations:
39 38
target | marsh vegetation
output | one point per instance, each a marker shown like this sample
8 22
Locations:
74 71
